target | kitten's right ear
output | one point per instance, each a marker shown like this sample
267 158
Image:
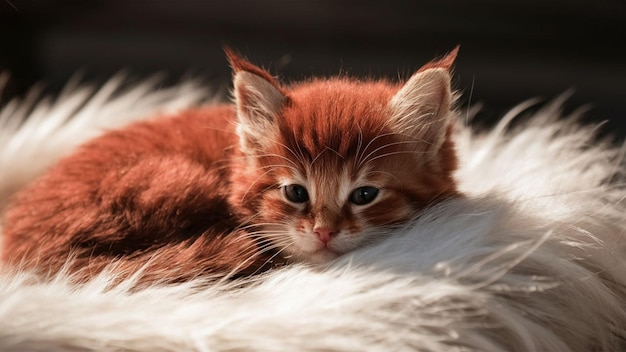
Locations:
259 99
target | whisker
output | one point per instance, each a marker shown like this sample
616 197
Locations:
255 252
299 157
359 144
302 157
382 147
266 237
399 152
334 151
280 157
317 156
301 160
371 172
253 183
271 258
250 225
269 232
372 141
264 155
276 166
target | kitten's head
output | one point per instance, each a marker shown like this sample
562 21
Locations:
330 164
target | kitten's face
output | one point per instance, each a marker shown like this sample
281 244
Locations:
331 165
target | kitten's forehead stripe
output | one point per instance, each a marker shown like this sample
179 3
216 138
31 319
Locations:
332 114
345 184
330 187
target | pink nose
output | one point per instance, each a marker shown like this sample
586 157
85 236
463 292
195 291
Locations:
325 234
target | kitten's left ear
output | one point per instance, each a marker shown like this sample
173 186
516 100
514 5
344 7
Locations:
421 108
259 99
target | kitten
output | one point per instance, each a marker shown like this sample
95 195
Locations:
305 172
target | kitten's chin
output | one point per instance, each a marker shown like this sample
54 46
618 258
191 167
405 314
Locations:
321 256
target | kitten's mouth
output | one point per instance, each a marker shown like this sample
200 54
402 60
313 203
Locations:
314 251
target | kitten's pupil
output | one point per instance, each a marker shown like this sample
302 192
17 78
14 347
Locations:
296 193
363 195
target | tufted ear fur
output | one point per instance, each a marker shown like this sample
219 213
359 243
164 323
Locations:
421 108
258 99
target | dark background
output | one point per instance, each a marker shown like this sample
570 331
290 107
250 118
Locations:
510 50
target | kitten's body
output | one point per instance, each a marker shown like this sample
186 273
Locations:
160 185
307 172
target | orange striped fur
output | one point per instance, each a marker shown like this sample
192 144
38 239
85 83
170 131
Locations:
210 191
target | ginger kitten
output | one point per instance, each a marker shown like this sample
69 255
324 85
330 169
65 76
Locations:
305 172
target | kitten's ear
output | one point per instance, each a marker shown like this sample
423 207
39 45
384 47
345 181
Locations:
421 108
258 98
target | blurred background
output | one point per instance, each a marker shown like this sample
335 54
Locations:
510 50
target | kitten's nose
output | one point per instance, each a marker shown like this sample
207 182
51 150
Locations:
325 234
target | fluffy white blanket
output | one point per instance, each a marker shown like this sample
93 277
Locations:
533 259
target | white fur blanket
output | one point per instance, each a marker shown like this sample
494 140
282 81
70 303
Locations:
533 259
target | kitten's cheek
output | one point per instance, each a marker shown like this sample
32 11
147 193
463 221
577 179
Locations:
390 214
305 242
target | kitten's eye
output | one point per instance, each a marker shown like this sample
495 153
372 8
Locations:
363 195
296 193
